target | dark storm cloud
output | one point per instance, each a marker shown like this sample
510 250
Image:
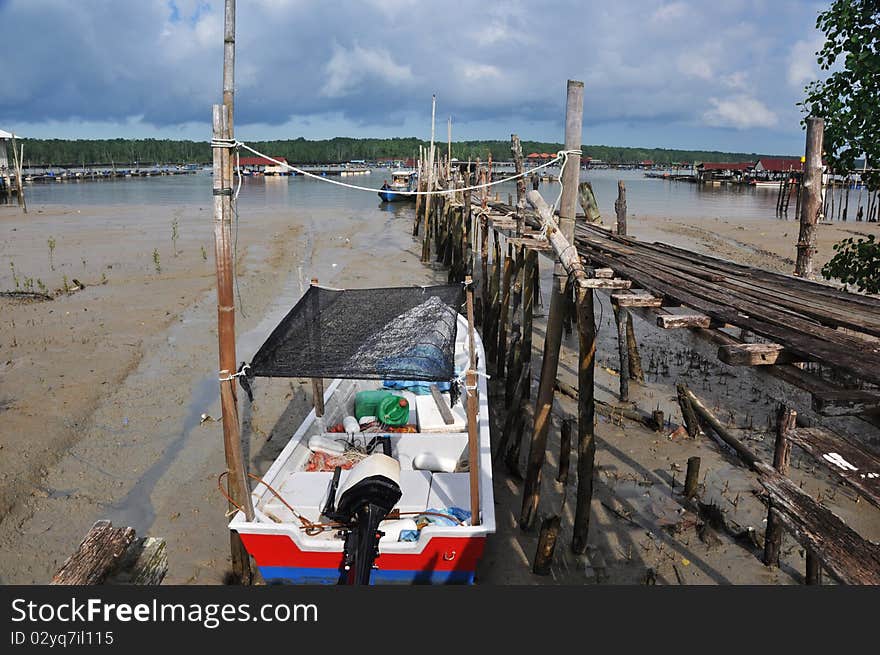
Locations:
739 65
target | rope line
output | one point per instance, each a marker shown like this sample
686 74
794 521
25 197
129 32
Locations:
561 155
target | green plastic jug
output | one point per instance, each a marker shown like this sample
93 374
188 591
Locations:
366 403
393 410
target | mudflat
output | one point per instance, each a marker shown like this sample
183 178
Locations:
103 391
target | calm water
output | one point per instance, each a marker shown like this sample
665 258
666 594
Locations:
645 196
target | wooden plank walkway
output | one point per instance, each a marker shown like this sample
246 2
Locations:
801 316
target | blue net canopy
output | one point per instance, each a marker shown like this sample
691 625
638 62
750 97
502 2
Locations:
396 333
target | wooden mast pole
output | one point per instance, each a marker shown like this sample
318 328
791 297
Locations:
568 206
426 244
472 408
237 485
17 161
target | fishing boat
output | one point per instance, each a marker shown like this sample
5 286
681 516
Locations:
766 184
401 180
388 479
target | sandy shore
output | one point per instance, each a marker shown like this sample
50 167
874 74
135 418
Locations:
101 392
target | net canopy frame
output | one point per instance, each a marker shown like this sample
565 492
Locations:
387 333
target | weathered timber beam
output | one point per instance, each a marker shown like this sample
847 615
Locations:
848 557
670 321
96 556
605 273
756 354
845 402
636 300
603 283
845 458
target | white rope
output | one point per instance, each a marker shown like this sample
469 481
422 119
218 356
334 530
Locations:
241 373
460 380
561 174
561 155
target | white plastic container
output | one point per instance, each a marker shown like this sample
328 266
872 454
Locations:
351 425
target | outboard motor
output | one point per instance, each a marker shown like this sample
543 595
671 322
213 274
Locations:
371 490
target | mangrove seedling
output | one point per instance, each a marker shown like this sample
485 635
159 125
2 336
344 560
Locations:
175 233
66 285
52 253
14 274
42 287
204 254
156 261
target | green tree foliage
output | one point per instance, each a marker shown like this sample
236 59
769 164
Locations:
62 152
856 263
849 99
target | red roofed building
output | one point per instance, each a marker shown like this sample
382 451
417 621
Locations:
264 165
778 165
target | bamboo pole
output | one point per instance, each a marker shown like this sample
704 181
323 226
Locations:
237 484
812 186
553 338
472 410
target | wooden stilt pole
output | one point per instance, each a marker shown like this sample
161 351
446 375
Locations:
564 451
635 360
620 207
504 313
553 339
516 147
812 203
546 545
621 314
472 410
814 569
237 484
586 419
785 420
692 477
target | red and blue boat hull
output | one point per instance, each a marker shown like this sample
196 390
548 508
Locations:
444 560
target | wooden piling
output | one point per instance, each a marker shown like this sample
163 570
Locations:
688 416
504 313
553 338
620 207
621 314
546 545
586 418
516 147
786 419
564 451
812 200
813 565
635 360
691 480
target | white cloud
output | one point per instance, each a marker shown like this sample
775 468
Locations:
694 64
350 69
802 64
739 111
669 12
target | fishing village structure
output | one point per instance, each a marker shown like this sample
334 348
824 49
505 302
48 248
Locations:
811 346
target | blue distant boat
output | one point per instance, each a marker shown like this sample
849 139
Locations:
403 180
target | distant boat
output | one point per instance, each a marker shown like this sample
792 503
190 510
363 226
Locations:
402 180
774 184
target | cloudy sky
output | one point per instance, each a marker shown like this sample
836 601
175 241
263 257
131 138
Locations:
658 73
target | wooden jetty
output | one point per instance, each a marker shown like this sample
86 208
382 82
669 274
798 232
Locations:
802 335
